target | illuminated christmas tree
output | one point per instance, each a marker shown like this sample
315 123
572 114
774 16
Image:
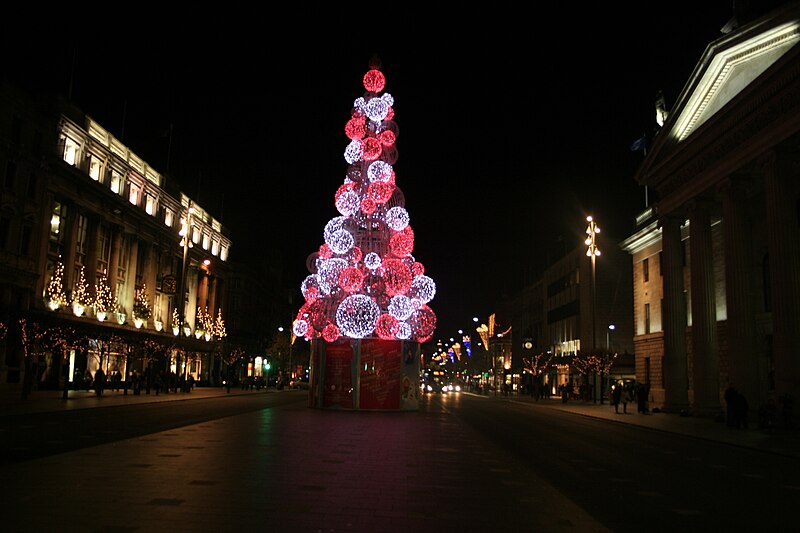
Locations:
104 299
80 294
141 306
55 289
364 281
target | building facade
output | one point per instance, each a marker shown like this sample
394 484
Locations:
104 262
716 257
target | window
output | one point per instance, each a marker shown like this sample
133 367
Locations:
206 241
104 249
71 149
80 240
11 174
215 248
133 194
168 217
5 228
646 269
25 239
94 167
116 182
33 183
646 319
56 219
150 204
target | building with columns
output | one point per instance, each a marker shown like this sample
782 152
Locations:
716 256
80 206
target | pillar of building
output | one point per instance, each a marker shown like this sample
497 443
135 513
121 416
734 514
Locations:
70 247
676 380
742 354
212 296
705 347
93 237
202 291
781 190
113 261
132 273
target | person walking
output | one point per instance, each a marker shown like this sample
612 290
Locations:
616 395
99 382
626 397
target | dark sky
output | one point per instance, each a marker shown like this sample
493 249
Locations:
513 126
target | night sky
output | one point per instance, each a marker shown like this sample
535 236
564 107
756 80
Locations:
512 127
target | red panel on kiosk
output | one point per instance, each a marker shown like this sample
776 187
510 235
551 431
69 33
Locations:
380 374
338 383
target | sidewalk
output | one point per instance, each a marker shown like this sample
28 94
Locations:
778 440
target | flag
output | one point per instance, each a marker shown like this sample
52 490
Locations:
639 144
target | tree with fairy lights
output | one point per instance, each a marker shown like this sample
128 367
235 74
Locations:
141 306
364 281
56 297
80 294
104 299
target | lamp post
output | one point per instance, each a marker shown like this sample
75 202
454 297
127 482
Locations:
186 243
611 327
592 251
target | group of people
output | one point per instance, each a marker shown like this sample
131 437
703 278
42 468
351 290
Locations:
625 393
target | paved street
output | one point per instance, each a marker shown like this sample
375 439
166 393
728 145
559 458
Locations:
301 469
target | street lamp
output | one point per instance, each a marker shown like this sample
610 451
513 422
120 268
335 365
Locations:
592 251
611 327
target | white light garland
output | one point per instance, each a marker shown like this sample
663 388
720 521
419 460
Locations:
356 316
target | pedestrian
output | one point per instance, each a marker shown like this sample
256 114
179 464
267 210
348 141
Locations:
99 382
730 405
616 396
626 397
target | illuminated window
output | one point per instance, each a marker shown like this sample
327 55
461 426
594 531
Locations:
646 269
133 194
94 167
116 182
169 217
55 221
224 254
646 319
215 248
206 241
195 234
150 204
71 148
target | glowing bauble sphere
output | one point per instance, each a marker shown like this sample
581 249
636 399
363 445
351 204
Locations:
351 279
355 129
371 149
380 191
357 315
343 188
341 241
328 271
348 203
374 81
396 277
401 307
368 206
387 327
377 108
396 217
423 323
417 269
353 152
402 243
356 255
323 253
379 171
372 261
387 137
300 327
310 283
330 332
422 288
405 331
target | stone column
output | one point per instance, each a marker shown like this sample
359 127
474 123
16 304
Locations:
212 297
113 261
70 247
705 348
676 380
133 261
742 359
93 239
780 187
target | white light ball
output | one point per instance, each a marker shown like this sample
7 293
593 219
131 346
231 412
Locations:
379 171
422 288
372 261
341 241
357 315
397 218
400 307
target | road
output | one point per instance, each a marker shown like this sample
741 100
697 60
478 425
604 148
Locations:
461 463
